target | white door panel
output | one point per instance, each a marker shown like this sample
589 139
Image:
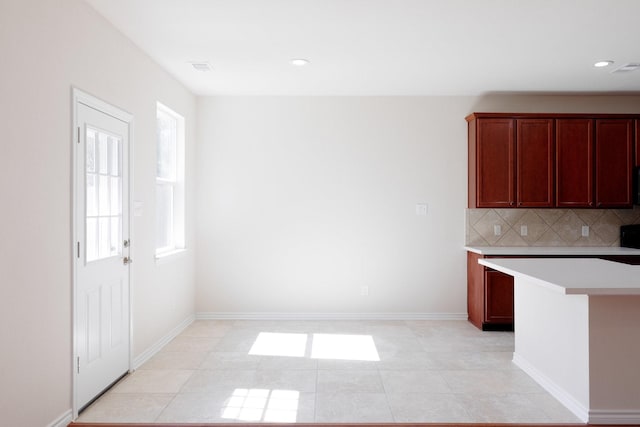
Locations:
101 322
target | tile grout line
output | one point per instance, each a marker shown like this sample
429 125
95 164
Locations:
386 396
155 420
315 395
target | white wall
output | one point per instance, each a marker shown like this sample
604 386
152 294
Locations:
303 200
46 48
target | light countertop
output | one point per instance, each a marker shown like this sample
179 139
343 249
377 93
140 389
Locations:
577 276
552 250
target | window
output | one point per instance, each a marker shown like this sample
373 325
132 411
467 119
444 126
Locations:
169 182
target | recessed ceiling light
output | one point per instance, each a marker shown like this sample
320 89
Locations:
201 66
602 64
299 62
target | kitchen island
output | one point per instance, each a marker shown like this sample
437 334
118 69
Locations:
577 333
490 292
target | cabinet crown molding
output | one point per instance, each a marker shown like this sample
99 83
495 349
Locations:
479 115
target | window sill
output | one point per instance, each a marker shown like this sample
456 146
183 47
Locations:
163 257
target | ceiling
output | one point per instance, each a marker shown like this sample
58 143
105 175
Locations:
386 47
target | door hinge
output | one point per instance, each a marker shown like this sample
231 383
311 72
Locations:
78 140
78 364
78 249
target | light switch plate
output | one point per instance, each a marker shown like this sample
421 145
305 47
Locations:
524 230
497 230
422 209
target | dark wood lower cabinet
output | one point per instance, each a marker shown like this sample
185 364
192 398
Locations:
489 296
638 143
490 292
498 297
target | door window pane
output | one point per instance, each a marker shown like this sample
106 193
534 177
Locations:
92 195
114 156
103 157
104 237
91 150
115 189
103 192
103 195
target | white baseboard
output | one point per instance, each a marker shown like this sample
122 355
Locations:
63 420
328 316
554 389
586 415
158 345
619 416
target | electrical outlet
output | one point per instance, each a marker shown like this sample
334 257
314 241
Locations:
422 209
585 231
524 230
364 291
497 230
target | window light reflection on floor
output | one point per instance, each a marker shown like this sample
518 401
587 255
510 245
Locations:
278 406
323 346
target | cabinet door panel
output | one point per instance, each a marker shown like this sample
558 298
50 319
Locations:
574 163
637 143
614 162
496 163
534 169
498 297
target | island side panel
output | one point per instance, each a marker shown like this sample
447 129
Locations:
615 358
475 289
552 342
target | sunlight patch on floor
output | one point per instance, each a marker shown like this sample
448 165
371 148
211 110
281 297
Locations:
344 347
323 346
279 344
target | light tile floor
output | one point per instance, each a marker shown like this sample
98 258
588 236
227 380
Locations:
331 371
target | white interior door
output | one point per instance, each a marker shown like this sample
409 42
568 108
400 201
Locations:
101 321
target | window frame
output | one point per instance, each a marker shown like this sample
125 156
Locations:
177 238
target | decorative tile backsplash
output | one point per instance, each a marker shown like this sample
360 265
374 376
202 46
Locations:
547 227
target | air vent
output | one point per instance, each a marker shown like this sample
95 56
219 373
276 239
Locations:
201 66
632 66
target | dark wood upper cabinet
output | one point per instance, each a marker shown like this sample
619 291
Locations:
533 160
574 163
494 149
534 166
614 162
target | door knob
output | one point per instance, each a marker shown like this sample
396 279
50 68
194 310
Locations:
126 260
